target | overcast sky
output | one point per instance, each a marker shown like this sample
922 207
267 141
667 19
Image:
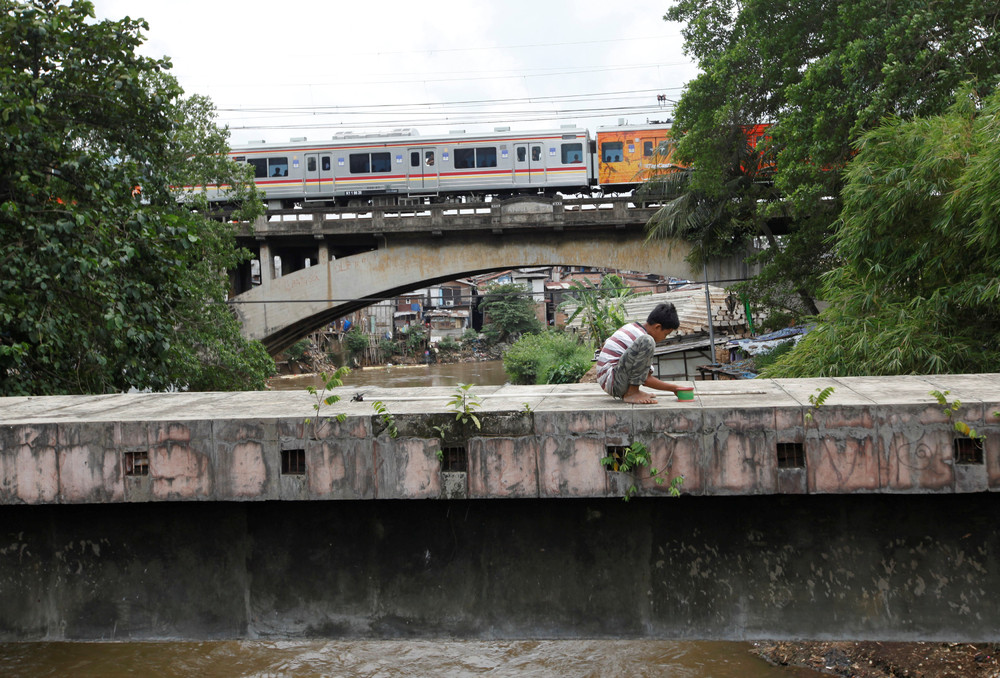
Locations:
294 68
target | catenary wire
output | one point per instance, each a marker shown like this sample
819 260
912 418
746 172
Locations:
375 299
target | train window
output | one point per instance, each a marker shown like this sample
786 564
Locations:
536 153
259 167
325 163
414 158
277 167
311 164
429 158
465 158
572 153
647 148
360 163
364 163
486 157
522 153
611 151
381 162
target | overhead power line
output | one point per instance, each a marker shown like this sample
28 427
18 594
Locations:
424 78
467 102
482 48
565 292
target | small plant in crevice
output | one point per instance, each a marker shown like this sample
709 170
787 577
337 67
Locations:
527 408
631 459
386 418
817 399
443 432
330 382
464 405
949 408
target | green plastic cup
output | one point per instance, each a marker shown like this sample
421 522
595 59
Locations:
685 394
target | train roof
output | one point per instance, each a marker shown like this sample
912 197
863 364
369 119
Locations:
634 128
412 137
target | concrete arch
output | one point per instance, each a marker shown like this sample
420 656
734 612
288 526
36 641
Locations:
282 310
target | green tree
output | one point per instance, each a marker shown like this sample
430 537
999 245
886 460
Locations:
106 281
918 287
357 343
510 311
822 73
601 307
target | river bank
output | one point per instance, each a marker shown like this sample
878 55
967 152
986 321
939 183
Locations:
313 360
886 660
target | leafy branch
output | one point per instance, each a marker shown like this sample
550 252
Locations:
634 457
817 399
464 404
949 408
330 382
388 420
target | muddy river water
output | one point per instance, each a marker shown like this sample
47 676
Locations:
439 374
390 659
393 658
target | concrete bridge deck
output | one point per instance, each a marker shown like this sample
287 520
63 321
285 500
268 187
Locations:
736 438
359 257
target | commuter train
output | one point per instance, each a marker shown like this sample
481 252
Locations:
404 168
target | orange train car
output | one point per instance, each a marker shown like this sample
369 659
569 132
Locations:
629 155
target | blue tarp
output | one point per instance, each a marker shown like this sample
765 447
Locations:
766 342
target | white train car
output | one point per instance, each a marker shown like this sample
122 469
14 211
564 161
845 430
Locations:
404 168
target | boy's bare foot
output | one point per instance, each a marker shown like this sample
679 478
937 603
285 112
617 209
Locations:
637 397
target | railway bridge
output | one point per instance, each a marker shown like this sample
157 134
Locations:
362 257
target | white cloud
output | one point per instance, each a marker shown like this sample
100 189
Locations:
297 55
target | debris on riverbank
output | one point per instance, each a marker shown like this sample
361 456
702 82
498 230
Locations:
311 359
887 660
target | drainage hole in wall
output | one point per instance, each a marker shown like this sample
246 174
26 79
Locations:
968 450
616 452
293 462
791 455
137 463
454 458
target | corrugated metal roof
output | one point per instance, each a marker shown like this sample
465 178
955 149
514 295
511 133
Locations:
692 311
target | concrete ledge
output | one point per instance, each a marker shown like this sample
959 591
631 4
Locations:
872 435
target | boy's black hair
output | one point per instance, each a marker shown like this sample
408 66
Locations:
664 315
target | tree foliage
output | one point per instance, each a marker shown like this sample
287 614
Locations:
918 289
600 307
547 358
106 281
509 310
822 73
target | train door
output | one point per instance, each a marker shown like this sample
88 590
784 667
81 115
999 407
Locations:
529 164
423 169
318 176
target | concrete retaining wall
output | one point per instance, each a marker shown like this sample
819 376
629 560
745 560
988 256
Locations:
889 567
872 435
